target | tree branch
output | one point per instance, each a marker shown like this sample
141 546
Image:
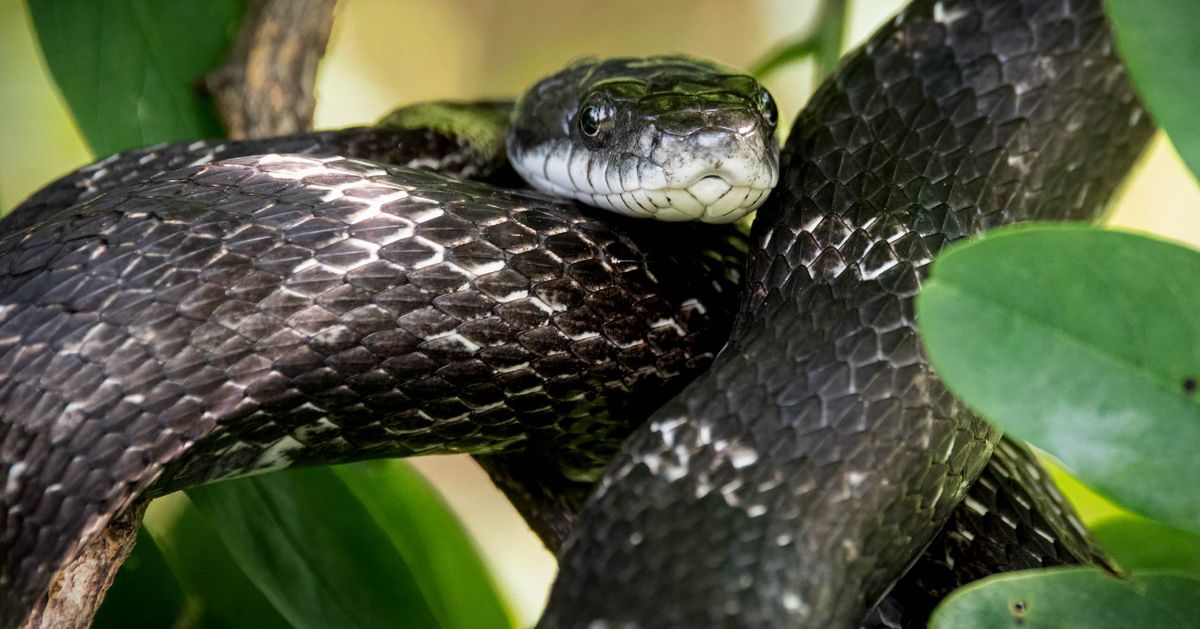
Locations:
79 588
267 86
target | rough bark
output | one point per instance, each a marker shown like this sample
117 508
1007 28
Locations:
266 86
79 588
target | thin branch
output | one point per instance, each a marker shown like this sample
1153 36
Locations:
79 588
267 86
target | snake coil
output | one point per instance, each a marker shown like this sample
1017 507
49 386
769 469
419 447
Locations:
185 313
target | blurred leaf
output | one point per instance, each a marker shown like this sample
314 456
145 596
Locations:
145 592
323 559
1138 544
1158 42
130 69
1085 343
824 42
1091 506
1071 597
433 542
794 51
219 591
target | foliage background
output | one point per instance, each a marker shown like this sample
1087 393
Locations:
384 53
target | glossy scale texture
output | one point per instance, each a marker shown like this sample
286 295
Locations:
795 481
1013 519
269 311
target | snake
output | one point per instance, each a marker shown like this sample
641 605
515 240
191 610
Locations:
191 312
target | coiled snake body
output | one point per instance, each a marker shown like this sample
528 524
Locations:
273 310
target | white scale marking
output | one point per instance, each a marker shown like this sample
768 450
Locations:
12 482
278 455
669 323
975 505
456 337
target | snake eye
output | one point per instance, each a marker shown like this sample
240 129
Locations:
589 121
594 119
766 105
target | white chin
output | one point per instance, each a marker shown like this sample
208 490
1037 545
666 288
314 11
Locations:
708 199
704 201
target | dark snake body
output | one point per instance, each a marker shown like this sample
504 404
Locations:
180 330
1015 525
793 482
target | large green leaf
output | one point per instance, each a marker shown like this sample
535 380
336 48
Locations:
1086 343
130 69
219 592
181 574
1072 597
432 541
323 558
1159 45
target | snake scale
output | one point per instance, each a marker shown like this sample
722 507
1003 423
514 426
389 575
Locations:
185 313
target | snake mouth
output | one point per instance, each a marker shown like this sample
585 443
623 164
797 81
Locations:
715 198
721 189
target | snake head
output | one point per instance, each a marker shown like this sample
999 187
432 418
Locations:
668 137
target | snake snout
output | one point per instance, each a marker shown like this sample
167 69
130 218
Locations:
717 175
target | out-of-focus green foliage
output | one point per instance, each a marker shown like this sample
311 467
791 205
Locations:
1138 544
219 594
363 545
1158 42
366 545
430 539
1072 597
315 553
131 70
824 43
1083 341
183 575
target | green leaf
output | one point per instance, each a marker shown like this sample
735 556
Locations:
130 70
1071 597
219 592
1138 545
1158 42
1086 343
433 542
825 42
323 558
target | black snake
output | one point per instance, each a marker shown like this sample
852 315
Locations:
210 315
